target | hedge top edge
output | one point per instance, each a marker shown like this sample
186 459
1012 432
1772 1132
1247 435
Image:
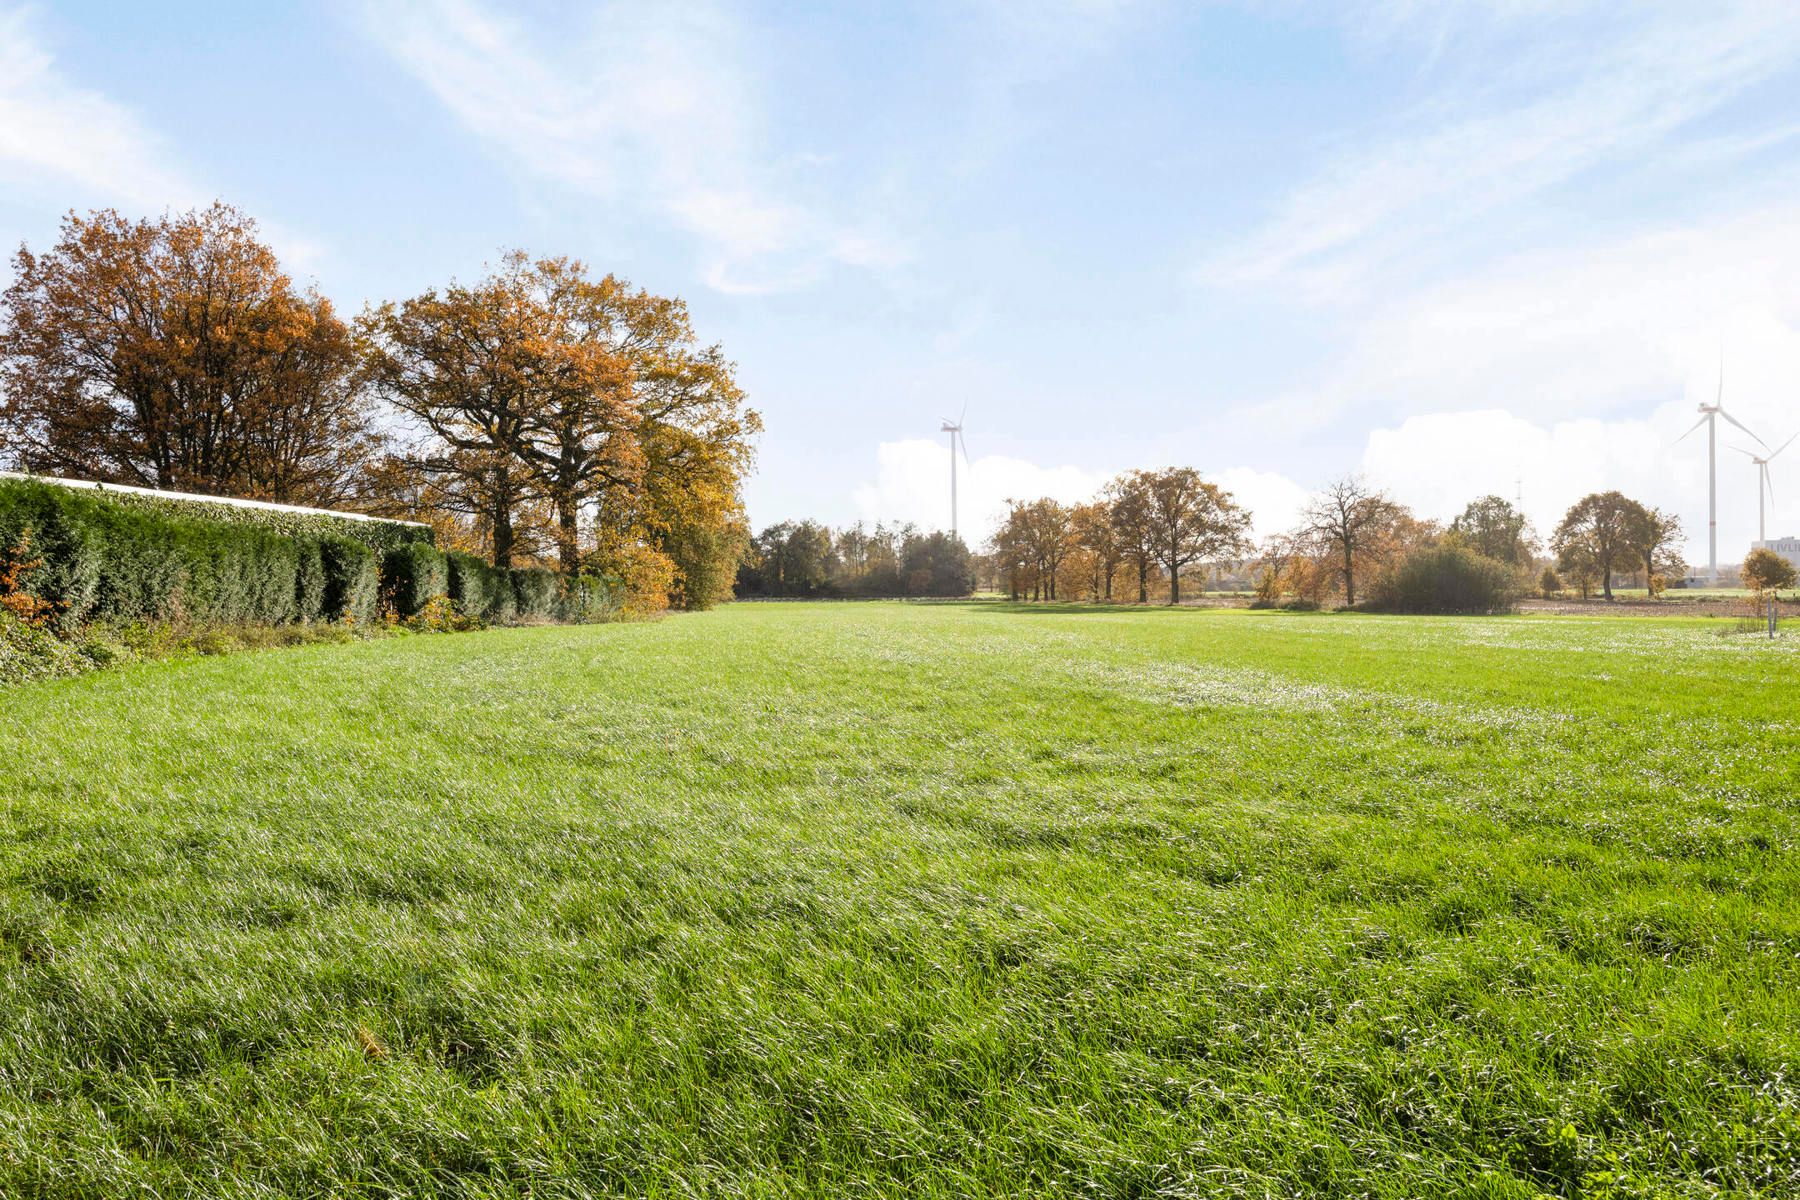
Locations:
197 498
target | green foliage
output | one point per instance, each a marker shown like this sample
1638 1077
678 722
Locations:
412 576
1765 570
589 599
936 564
911 900
352 580
1549 583
104 561
1446 578
65 532
536 593
479 588
706 558
806 560
1494 529
379 535
29 653
309 581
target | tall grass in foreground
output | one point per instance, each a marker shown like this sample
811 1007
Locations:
899 900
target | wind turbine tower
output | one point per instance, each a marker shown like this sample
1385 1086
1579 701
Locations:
955 430
1709 414
1764 489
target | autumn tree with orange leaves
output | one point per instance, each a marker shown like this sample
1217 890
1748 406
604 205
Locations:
175 353
542 385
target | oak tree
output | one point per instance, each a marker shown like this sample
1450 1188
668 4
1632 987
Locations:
1190 521
1599 535
1127 499
1354 523
176 353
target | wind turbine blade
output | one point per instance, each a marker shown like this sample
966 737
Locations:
1697 424
965 412
1741 426
964 443
1768 483
1746 453
1783 446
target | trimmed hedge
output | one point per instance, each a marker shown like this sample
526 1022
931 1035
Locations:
480 589
412 576
352 582
309 582
379 535
536 593
106 561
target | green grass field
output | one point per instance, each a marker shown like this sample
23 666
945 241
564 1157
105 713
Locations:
876 899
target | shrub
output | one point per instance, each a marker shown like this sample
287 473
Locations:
412 576
17 565
646 577
65 536
535 593
28 652
480 590
351 581
1549 583
1446 578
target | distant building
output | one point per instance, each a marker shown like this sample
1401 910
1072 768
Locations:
1787 547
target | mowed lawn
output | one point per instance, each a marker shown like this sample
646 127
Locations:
880 899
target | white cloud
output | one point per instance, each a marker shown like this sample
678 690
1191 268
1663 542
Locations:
912 484
55 133
1273 499
654 105
1600 330
1587 96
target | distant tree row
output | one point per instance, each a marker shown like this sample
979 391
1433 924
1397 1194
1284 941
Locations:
1148 527
1352 533
537 413
1149 534
805 559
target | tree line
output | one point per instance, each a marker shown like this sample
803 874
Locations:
539 413
804 559
1147 534
1351 534
1150 525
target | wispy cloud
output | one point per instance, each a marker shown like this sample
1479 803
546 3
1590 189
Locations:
1522 116
650 105
56 134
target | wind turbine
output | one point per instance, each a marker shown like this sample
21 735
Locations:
1708 417
955 430
1763 485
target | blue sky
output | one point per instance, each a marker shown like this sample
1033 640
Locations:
1461 246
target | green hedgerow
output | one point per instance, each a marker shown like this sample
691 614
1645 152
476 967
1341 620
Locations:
412 576
352 581
480 589
537 593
